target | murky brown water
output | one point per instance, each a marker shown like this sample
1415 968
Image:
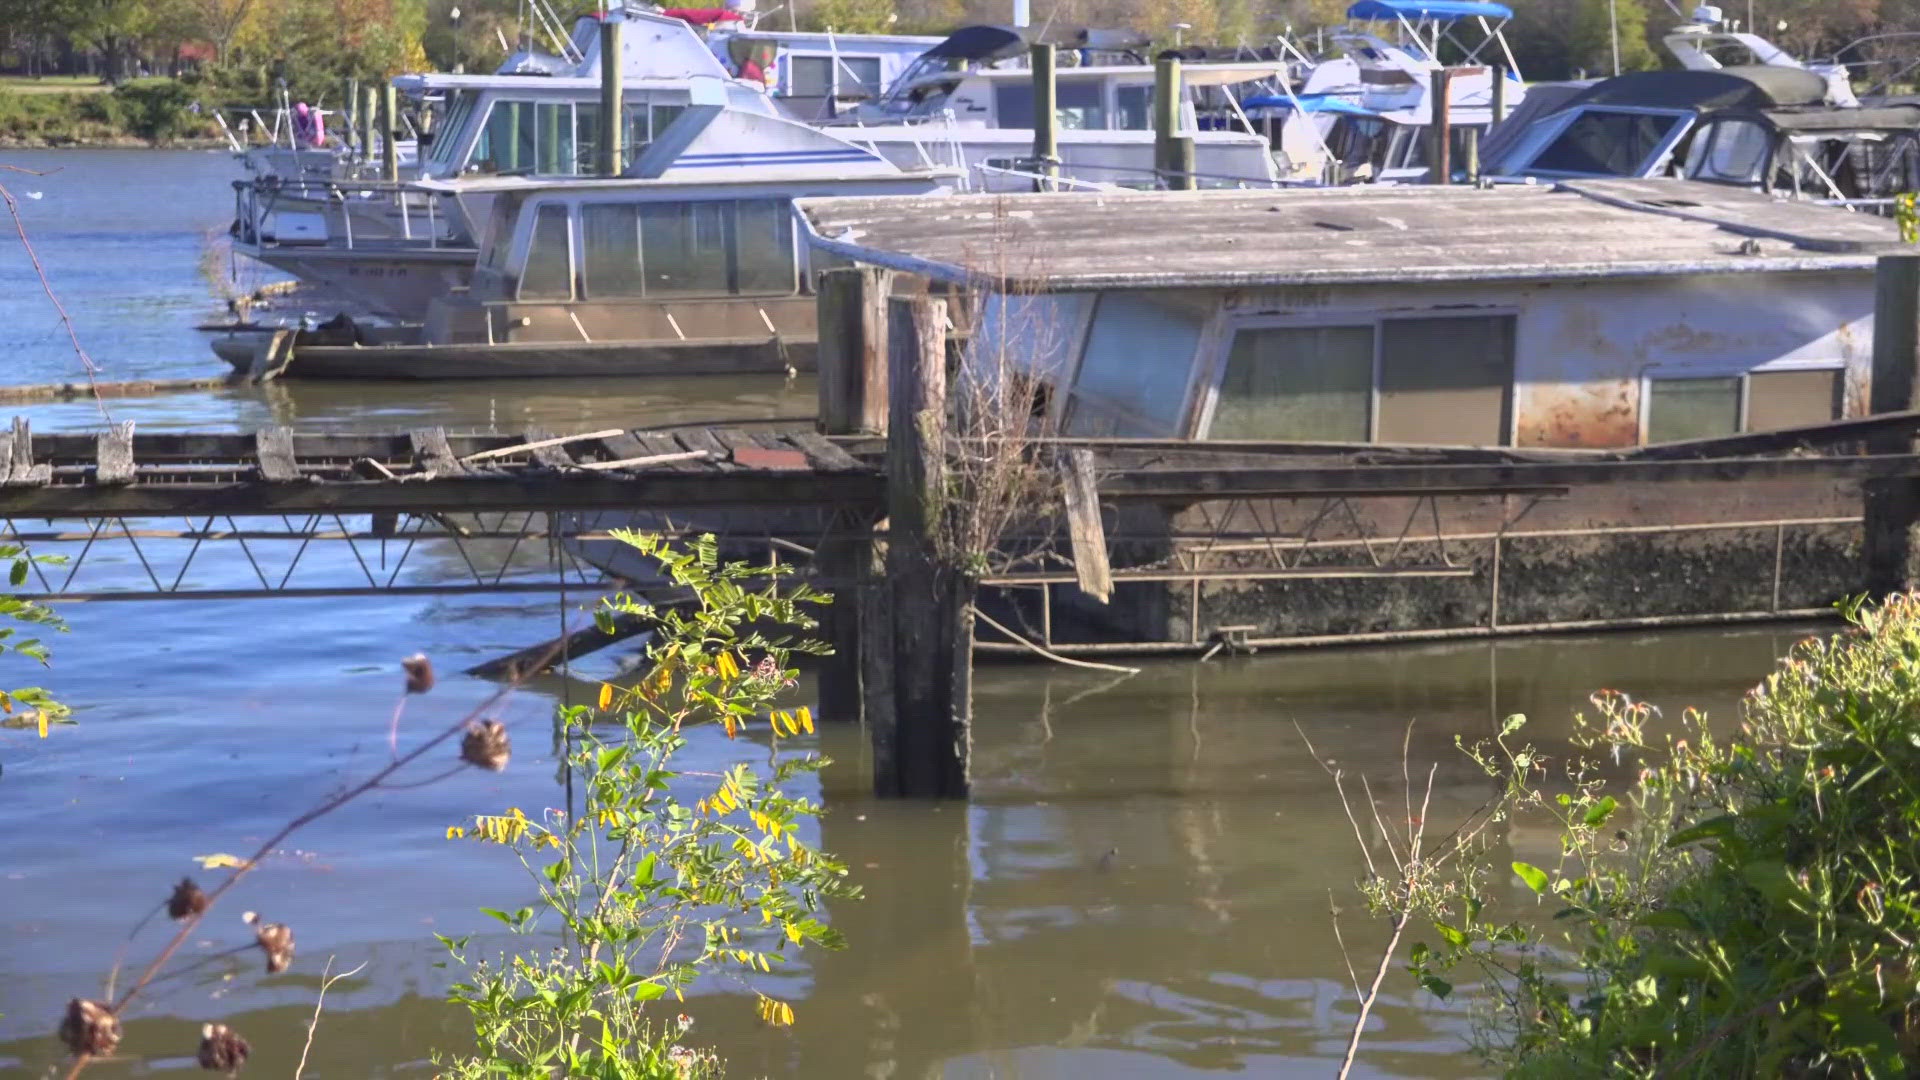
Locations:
996 939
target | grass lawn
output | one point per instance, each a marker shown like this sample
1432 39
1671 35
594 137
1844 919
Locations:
53 84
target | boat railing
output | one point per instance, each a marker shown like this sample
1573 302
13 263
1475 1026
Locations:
1041 180
367 213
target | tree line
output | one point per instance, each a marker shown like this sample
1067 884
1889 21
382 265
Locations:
312 44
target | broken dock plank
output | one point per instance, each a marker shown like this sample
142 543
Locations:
113 457
702 439
23 472
821 452
273 452
431 452
664 445
536 442
551 452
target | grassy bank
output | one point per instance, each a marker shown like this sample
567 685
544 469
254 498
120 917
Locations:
144 112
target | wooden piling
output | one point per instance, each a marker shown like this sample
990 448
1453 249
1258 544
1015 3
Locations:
851 311
349 112
369 122
389 133
918 654
1892 506
1499 96
612 155
1440 128
1167 94
1046 143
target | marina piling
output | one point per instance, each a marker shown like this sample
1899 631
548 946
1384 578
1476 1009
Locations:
349 108
369 120
917 656
1499 96
1440 128
851 305
1172 157
1046 144
1893 504
390 133
612 158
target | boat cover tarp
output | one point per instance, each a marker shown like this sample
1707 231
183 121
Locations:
983 43
1389 10
1746 87
1543 99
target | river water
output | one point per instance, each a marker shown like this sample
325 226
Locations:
1140 889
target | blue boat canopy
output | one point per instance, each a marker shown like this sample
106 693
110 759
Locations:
1313 103
1389 10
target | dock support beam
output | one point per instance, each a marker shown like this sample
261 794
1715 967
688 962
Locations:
917 654
1440 128
1499 96
389 133
1893 505
1046 143
612 154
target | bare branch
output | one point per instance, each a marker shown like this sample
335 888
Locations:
314 1024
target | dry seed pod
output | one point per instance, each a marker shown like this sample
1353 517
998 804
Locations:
276 940
486 745
187 899
89 1028
419 673
222 1049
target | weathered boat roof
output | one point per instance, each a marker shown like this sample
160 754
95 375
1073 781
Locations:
1321 236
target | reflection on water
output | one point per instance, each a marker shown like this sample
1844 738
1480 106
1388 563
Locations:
1141 887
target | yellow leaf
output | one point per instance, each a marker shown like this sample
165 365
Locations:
786 1014
729 668
806 719
216 862
606 696
455 832
793 933
6 702
43 722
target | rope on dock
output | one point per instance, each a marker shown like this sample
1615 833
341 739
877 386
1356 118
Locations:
1067 660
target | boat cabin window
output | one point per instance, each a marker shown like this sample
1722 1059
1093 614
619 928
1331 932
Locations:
1703 408
440 157
827 76
719 247
1079 104
1133 108
1730 152
1446 381
1036 333
557 138
548 274
1133 374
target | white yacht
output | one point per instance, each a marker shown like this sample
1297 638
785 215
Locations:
1365 114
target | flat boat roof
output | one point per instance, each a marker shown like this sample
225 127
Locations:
1322 236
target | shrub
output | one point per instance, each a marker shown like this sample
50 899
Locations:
1749 906
156 109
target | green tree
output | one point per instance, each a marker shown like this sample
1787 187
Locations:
1597 24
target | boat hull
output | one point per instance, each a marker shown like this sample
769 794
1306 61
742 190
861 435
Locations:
398 283
768 356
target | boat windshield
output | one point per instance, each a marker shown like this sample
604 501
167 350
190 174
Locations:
452 132
1593 141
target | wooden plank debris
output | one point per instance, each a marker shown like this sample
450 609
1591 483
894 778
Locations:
1084 527
664 445
822 453
552 452
113 460
644 461
24 473
703 439
533 443
431 452
273 450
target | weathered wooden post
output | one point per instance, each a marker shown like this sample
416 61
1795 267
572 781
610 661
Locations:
918 663
612 156
1440 128
1470 152
369 122
349 107
851 310
1499 96
390 133
1046 144
1892 505
1172 157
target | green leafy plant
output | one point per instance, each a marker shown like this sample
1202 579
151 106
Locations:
664 875
27 706
1748 905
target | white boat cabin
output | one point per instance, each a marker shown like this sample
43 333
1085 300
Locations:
1593 314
